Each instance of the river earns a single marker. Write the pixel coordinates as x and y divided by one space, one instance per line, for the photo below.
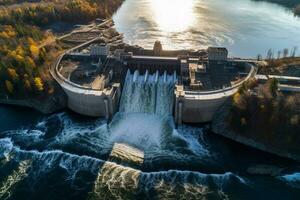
247 28
138 155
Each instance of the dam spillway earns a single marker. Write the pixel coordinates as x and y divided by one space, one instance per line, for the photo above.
145 113
148 93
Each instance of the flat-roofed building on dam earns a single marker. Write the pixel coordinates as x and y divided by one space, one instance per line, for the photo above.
217 54
99 50
152 63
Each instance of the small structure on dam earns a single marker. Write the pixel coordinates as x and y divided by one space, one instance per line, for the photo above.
93 75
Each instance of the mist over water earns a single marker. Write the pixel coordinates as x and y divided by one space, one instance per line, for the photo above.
246 27
138 155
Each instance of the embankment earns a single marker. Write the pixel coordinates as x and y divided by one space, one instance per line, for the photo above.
51 104
252 138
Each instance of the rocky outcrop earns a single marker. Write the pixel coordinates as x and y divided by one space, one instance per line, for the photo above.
220 126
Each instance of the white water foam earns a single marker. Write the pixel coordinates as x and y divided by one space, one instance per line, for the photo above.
292 180
192 137
138 129
114 176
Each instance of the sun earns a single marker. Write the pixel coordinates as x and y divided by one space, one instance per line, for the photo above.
173 15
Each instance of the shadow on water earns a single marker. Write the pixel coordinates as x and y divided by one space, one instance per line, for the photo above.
12 117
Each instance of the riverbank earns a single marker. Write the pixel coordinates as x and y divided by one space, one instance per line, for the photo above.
270 142
293 4
28 48
51 104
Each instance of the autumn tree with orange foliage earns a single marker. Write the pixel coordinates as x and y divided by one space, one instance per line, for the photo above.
24 62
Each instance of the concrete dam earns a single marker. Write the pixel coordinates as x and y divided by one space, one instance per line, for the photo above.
101 79
148 93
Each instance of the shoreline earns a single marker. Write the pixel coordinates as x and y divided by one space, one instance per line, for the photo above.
219 127
52 104
44 108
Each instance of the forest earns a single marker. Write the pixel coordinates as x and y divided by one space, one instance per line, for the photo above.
293 4
262 112
24 59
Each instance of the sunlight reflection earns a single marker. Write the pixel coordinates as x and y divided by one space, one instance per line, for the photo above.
173 15
7 186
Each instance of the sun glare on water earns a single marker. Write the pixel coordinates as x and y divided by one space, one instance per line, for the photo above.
173 15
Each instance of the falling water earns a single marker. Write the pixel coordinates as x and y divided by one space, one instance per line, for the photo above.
148 93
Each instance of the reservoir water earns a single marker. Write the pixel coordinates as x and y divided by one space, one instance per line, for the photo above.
247 28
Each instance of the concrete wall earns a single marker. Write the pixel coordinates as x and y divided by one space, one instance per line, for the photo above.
200 106
93 103
84 100
199 111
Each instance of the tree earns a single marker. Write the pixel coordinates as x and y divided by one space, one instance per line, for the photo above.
293 52
270 54
34 50
38 84
285 52
13 75
9 86
27 84
273 86
278 54
259 57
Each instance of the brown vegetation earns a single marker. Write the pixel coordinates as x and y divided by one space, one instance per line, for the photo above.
281 66
265 114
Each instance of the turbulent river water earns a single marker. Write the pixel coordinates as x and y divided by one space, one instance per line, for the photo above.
245 27
138 155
